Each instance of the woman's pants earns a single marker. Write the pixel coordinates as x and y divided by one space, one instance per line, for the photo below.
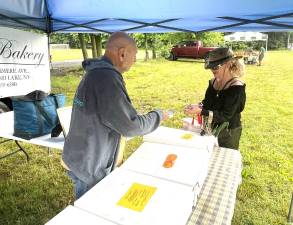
229 138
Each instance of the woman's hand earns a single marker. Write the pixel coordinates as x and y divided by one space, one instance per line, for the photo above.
192 109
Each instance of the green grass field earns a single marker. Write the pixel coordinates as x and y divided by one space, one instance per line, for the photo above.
34 192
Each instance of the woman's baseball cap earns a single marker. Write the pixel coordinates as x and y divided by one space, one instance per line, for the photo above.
219 56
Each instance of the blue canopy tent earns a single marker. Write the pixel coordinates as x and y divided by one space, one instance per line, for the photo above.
152 16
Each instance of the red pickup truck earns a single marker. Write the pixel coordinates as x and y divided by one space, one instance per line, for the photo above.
189 49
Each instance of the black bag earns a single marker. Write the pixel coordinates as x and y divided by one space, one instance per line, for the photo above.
35 114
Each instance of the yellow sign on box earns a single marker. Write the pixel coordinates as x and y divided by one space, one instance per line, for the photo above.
137 197
187 136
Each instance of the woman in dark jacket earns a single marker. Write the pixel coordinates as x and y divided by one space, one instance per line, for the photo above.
224 98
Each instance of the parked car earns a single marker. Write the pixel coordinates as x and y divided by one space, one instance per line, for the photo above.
189 49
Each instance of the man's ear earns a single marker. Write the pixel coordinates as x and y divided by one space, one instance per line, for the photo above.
121 53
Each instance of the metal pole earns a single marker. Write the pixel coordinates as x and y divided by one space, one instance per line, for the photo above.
290 210
288 41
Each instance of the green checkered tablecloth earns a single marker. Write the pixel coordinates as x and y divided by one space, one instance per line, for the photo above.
217 198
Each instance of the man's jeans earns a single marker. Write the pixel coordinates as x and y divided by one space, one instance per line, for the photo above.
80 187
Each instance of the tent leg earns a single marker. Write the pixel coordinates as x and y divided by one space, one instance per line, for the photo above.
49 151
290 210
20 148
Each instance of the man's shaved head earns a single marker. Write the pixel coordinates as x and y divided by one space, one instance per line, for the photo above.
119 40
121 50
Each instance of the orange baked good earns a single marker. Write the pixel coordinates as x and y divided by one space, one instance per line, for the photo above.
170 160
171 157
168 164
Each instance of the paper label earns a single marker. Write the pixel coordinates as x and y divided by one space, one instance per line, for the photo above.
137 197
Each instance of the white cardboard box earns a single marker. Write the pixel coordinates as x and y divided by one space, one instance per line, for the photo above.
190 167
160 201
171 136
75 216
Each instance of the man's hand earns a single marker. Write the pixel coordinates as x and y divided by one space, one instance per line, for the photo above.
166 115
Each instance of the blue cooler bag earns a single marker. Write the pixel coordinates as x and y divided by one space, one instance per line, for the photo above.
35 114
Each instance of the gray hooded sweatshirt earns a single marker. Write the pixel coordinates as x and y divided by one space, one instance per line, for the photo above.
101 113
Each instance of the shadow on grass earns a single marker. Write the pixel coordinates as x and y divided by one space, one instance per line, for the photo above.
188 60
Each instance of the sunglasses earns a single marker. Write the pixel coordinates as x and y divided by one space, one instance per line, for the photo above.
216 67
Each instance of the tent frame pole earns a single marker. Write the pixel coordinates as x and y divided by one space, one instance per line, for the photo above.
81 25
21 22
158 24
246 22
78 25
49 23
260 22
154 25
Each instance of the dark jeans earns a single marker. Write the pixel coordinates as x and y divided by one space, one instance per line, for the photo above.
229 138
80 187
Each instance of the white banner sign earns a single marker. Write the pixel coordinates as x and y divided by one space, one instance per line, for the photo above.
24 63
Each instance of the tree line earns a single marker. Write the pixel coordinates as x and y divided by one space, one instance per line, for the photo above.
160 44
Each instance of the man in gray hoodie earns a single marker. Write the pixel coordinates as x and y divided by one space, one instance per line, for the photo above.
102 111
